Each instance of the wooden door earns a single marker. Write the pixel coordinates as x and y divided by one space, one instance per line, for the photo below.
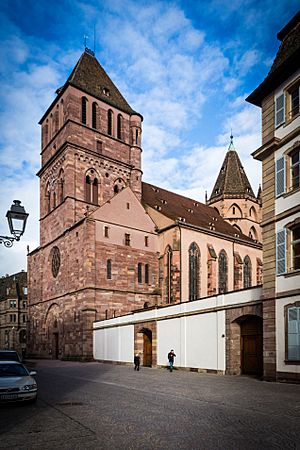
252 346
147 353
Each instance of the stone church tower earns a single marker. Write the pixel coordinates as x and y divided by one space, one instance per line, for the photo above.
233 197
91 151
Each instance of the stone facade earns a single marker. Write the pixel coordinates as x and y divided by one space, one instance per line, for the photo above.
109 243
13 312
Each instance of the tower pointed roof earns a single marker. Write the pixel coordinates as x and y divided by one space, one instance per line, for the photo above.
232 181
89 76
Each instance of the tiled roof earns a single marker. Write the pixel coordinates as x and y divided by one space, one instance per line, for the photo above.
89 76
232 180
285 63
186 210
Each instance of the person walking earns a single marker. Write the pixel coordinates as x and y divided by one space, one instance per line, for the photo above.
171 356
137 361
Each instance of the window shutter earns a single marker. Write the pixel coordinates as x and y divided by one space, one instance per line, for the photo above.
280 252
279 110
280 176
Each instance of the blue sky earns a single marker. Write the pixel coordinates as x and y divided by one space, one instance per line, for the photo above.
186 66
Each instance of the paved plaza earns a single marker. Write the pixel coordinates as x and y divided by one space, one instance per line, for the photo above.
104 406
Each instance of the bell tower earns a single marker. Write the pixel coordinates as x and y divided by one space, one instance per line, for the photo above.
233 197
91 148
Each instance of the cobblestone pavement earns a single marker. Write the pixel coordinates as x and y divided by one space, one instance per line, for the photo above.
103 406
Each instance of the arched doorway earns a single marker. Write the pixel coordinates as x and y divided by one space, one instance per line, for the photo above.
252 346
147 347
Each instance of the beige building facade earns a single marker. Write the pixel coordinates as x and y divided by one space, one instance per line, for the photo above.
278 97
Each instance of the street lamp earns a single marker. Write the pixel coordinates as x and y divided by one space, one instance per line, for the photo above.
16 217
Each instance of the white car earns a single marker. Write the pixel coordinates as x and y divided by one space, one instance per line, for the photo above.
16 383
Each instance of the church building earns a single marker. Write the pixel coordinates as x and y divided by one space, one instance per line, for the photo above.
111 244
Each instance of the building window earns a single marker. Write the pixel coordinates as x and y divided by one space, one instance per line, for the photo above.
94 115
147 273
295 165
108 269
127 239
13 317
91 188
247 272
106 232
279 110
280 252
13 304
296 248
293 100
194 266
293 332
140 280
119 126
55 261
24 304
146 241
83 110
169 278
223 272
99 146
110 122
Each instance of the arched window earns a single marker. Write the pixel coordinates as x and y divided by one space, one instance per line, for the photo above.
91 187
45 135
247 272
110 122
88 196
108 269
83 110
61 190
194 271
223 272
169 290
239 231
140 277
95 192
119 126
253 233
47 199
252 213
147 273
119 185
56 121
94 115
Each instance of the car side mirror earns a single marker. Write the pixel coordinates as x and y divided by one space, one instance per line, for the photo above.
32 373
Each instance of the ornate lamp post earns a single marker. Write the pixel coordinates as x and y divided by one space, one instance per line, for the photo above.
16 217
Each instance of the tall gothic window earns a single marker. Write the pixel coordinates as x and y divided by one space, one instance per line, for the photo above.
194 271
95 192
94 115
223 272
110 122
169 293
119 126
247 272
83 110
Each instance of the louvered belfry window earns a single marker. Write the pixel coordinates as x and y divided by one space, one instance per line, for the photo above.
83 110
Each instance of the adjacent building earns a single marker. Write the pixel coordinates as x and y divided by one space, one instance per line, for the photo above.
13 312
111 244
278 97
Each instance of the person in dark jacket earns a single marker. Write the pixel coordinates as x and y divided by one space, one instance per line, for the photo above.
137 360
171 356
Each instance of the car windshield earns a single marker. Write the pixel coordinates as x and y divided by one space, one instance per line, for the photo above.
8 356
13 370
